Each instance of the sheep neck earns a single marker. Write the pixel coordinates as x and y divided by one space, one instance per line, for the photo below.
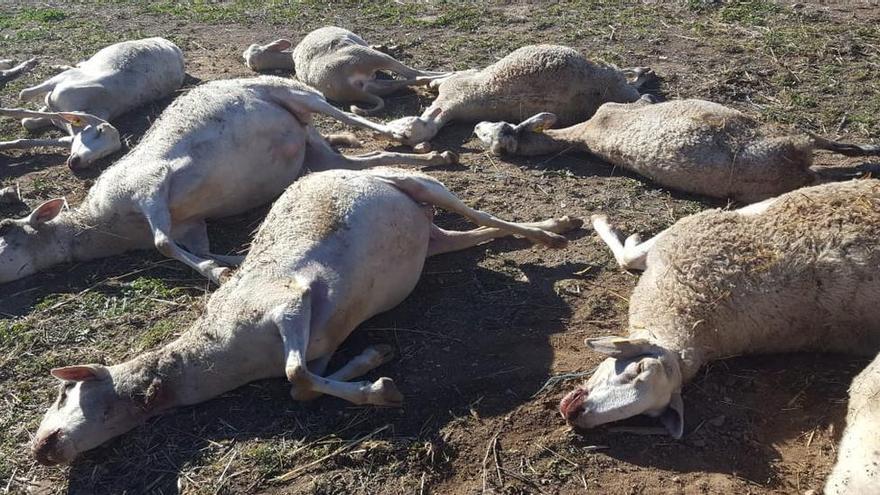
549 141
83 236
202 364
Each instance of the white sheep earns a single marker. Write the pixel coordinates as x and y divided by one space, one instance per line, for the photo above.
82 99
9 72
693 146
857 470
336 248
531 79
223 148
788 274
341 65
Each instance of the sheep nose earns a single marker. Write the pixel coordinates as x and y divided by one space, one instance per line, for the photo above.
45 447
572 405
74 162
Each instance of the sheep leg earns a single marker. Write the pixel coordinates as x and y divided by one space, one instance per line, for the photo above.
375 60
40 89
371 358
24 144
194 238
320 156
846 149
631 254
424 189
10 74
34 123
293 321
383 87
377 102
446 241
303 103
159 219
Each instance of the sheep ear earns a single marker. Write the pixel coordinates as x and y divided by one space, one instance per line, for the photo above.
278 45
46 211
537 123
620 347
81 373
673 417
80 119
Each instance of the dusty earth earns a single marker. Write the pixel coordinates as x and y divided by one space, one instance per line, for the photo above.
486 328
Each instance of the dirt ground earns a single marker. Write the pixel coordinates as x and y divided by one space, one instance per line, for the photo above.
486 328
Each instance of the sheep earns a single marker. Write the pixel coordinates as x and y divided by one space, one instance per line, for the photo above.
336 248
221 149
791 273
341 65
858 463
693 146
531 79
8 72
82 99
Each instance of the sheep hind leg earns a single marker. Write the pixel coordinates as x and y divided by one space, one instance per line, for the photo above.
23 144
371 358
320 156
293 321
447 241
632 254
159 219
425 189
194 237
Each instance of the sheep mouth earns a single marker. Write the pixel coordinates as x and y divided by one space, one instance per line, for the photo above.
572 405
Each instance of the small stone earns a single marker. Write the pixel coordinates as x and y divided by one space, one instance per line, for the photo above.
717 421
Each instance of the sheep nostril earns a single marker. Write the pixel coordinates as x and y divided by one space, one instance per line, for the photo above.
45 447
74 162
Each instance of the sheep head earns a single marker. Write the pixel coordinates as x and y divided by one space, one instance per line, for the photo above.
503 138
639 377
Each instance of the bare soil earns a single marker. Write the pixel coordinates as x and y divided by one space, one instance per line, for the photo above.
486 328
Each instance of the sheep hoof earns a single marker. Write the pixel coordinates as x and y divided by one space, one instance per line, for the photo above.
567 224
220 275
450 157
383 392
422 147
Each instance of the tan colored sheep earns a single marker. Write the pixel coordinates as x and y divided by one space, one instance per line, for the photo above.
531 79
792 273
693 146
336 248
341 65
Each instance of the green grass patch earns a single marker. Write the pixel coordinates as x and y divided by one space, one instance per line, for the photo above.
157 334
